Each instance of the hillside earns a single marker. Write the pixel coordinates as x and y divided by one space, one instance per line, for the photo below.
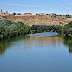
40 20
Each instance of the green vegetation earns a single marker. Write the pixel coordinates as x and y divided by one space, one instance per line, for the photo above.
68 16
60 23
14 13
4 17
44 28
7 43
66 31
10 29
68 43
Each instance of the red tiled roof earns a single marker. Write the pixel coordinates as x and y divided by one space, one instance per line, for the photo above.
27 13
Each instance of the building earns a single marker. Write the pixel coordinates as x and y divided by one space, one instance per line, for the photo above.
27 14
4 14
37 14
18 13
40 14
53 15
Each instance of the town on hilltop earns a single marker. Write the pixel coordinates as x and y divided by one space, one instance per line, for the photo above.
6 14
37 19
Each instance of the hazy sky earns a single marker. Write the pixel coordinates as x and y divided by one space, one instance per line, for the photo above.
37 6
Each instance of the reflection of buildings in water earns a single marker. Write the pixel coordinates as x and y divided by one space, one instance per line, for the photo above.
42 42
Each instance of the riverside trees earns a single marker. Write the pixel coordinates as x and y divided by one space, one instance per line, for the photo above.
66 30
44 28
9 29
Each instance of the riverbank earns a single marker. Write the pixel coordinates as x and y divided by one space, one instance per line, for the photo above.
45 37
65 30
10 29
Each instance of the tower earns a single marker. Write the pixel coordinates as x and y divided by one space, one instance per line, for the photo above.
7 12
1 11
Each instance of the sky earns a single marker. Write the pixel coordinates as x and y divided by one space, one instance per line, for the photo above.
37 6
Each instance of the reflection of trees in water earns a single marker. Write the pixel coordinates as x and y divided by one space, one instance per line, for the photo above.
7 43
68 43
39 41
3 46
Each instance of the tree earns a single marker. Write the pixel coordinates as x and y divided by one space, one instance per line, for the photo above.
14 13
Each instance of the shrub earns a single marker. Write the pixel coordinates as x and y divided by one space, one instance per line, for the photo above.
9 28
4 17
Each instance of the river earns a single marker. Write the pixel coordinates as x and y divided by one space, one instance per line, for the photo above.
41 52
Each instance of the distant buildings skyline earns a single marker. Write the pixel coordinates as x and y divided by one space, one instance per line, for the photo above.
35 11
6 13
3 13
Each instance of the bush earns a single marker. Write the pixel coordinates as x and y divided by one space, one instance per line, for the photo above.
4 17
9 29
68 16
14 13
44 28
67 30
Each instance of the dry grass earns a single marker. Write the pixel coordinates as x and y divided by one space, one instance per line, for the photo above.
39 20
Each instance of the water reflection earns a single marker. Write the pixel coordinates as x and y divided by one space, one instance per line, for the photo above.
40 54
42 42
3 46
30 41
8 43
44 34
68 43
